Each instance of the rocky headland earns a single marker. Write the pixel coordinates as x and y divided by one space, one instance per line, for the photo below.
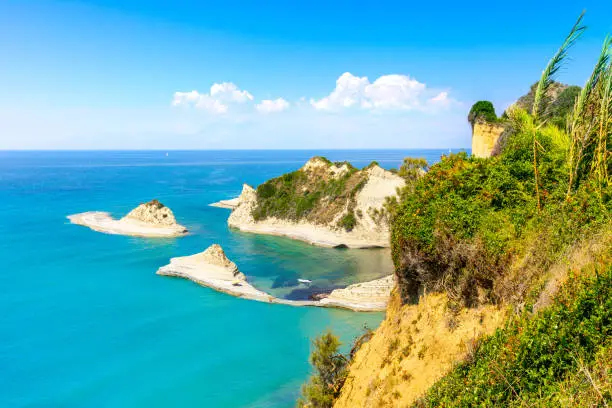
152 219
213 269
323 203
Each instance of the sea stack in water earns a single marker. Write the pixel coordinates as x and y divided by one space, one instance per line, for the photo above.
152 219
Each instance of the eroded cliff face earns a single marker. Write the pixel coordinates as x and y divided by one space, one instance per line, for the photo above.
484 138
413 347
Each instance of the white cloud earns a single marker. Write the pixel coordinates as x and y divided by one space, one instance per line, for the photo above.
229 92
388 92
441 98
269 106
392 92
349 91
217 101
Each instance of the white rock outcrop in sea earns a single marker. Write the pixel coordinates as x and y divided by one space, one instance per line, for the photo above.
371 229
213 269
230 204
152 219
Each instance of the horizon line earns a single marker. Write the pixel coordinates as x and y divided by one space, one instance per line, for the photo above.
231 150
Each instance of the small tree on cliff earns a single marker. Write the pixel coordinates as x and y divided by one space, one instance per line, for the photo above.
330 373
483 110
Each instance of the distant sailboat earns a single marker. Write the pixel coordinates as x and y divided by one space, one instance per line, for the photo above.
166 154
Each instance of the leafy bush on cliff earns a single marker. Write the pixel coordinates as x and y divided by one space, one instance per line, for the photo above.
348 221
559 357
411 170
482 110
469 218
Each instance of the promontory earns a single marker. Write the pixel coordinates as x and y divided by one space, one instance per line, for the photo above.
322 203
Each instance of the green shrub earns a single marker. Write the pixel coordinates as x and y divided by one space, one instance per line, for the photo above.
348 222
482 110
462 224
529 362
330 373
313 196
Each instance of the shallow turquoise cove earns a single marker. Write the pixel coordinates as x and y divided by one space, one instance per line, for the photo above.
85 321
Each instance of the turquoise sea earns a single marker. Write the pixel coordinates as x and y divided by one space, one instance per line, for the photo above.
86 322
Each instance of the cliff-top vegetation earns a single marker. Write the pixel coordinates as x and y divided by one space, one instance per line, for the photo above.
470 220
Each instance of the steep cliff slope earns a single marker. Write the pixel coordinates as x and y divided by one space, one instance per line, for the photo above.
417 345
413 347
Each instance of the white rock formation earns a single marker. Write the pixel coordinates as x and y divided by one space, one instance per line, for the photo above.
151 219
231 203
371 230
213 269
317 164
372 295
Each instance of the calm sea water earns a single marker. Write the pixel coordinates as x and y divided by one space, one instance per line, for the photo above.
84 320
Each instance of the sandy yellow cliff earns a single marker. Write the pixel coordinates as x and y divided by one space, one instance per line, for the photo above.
413 347
484 138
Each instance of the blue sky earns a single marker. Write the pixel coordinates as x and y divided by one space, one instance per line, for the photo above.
121 74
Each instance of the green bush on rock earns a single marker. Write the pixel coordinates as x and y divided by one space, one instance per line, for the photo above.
482 110
315 195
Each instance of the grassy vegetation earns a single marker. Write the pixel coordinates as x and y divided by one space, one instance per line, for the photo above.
468 220
312 195
560 357
348 221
